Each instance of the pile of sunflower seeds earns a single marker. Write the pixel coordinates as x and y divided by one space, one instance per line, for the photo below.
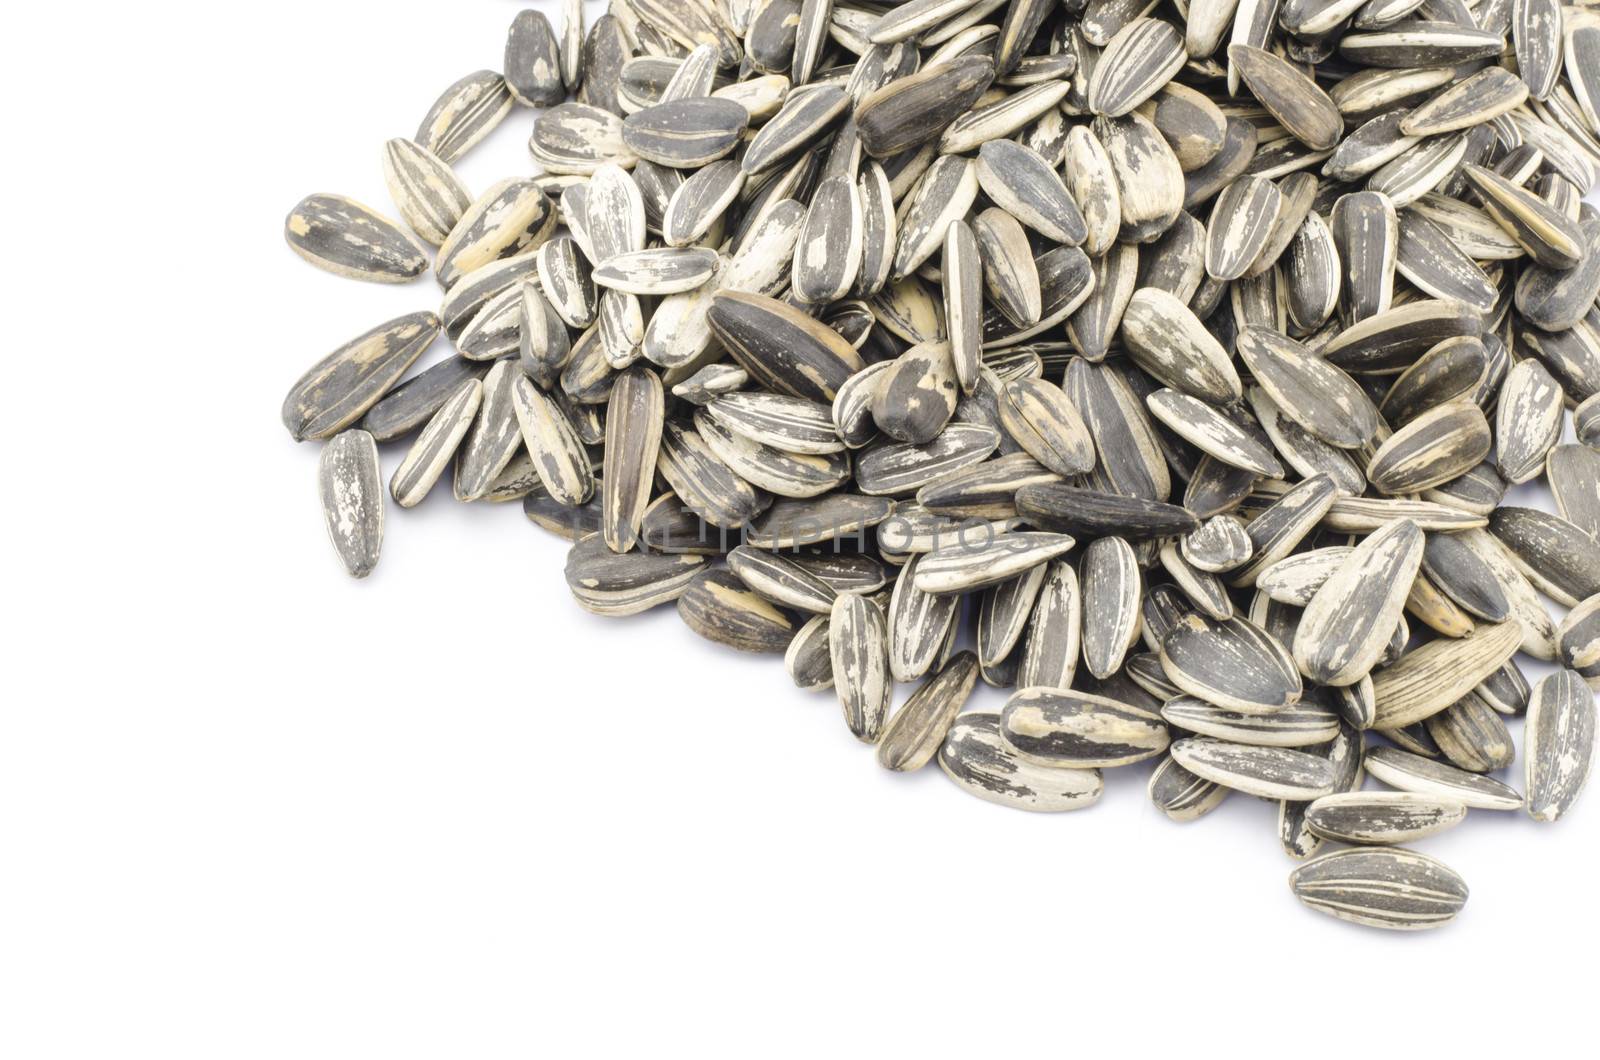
1188 349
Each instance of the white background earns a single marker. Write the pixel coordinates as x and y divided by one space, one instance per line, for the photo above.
250 807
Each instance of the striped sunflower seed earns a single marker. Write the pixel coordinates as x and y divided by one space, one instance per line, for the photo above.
1142 57
1437 446
1150 184
1559 559
533 61
337 390
348 239
494 438
414 402
1471 736
1268 772
1219 544
977 757
1289 95
1430 678
434 448
1180 794
628 583
722 609
1560 744
1233 664
963 568
1347 623
511 218
464 114
427 192
1527 421
351 490
782 348
1301 725
1414 773
1395 889
1111 587
917 730
1076 730
634 417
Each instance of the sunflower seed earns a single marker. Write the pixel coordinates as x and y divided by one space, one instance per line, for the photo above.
719 607
783 349
1143 56
914 734
1090 513
1027 187
1212 432
1219 544
1527 421
1536 32
1291 97
1346 624
336 391
1109 574
1463 576
1050 650
1150 183
1560 744
1396 889
352 499
794 425
1092 182
1241 221
977 757
348 239
1574 475
781 580
533 61
1549 238
1471 736
1558 299
903 467
1233 664
963 568
414 402
436 445
916 397
1430 678
1166 339
808 658
1300 725
1175 263
511 218
1075 730
620 584
1043 421
1433 448
1312 271
1305 453
785 474
464 114
1003 615
1239 145
1559 559
1269 772
1180 794
1414 773
1003 117
1284 524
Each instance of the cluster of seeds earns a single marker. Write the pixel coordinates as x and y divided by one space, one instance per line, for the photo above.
1196 344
